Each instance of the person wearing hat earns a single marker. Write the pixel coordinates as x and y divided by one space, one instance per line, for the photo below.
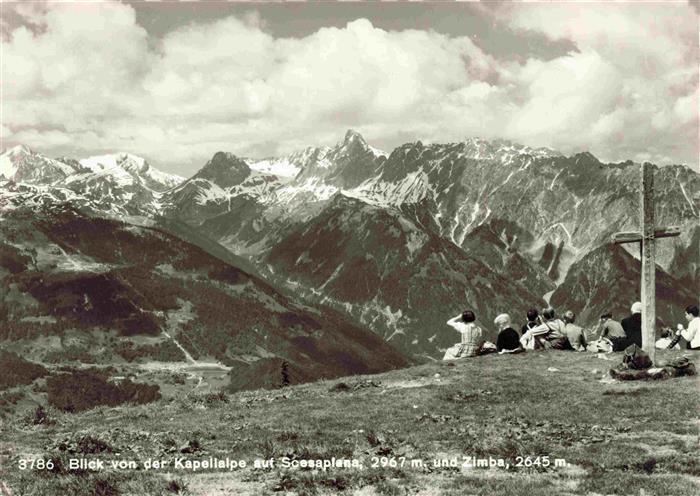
508 340
632 325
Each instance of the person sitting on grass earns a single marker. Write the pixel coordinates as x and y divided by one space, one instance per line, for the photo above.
612 330
574 333
508 340
666 342
692 333
472 337
549 334
533 320
633 325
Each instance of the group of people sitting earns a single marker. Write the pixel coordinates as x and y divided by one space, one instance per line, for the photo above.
547 331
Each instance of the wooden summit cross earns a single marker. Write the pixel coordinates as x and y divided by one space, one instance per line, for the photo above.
648 254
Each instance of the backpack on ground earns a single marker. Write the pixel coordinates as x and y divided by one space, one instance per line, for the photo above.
636 358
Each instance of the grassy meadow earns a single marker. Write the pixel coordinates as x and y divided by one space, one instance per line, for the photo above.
601 437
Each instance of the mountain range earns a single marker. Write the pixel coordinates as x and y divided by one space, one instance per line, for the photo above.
396 242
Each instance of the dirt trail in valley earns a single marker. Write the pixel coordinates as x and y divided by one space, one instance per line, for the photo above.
197 370
188 357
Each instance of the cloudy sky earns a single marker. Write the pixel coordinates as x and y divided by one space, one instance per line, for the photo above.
176 82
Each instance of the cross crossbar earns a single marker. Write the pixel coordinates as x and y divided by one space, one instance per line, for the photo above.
636 237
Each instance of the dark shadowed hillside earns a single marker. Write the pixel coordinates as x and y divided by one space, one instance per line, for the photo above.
110 291
608 280
686 262
396 277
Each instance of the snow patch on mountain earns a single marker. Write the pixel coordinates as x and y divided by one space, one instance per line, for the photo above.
125 168
21 164
332 276
411 189
116 175
120 161
9 160
14 195
685 195
281 167
164 178
377 152
414 242
503 150
207 191
312 188
551 185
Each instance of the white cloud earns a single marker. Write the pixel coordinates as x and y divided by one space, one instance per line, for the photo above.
685 109
90 77
86 49
564 96
48 138
641 90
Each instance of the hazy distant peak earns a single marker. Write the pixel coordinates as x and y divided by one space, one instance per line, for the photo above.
352 135
18 150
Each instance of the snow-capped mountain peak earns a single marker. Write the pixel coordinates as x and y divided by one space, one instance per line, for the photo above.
8 160
354 142
116 184
21 164
17 150
126 168
483 149
122 160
